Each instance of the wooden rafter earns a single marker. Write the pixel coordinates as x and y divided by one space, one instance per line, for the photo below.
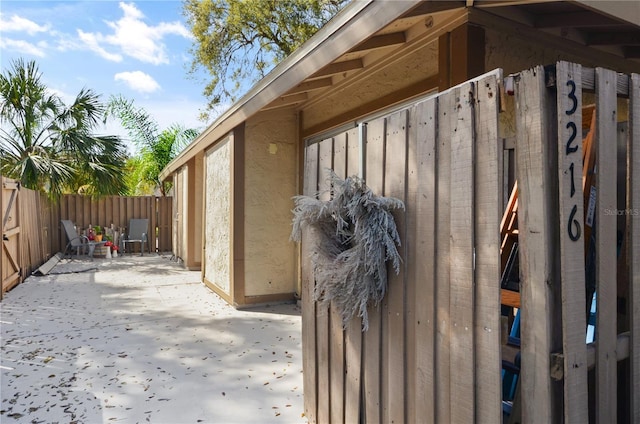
573 19
380 41
614 38
287 101
311 85
339 67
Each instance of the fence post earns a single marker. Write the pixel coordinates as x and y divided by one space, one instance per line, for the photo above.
634 254
536 158
606 246
572 233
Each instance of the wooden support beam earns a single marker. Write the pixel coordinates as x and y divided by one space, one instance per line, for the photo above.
287 100
613 38
631 52
461 55
339 67
380 41
573 19
622 350
429 7
311 85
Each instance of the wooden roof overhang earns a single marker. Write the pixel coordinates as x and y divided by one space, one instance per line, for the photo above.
369 35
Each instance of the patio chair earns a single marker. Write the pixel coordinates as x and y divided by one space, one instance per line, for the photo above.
75 241
137 232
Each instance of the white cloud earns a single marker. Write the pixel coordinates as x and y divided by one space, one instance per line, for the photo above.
18 24
138 81
92 42
24 47
133 37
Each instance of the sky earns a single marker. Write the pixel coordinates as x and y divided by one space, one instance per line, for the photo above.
137 49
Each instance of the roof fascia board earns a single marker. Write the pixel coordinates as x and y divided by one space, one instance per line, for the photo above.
330 42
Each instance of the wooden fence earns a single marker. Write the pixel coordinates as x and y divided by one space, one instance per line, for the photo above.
433 349
32 232
113 210
25 236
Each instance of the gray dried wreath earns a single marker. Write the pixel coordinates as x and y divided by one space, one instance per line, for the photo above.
353 235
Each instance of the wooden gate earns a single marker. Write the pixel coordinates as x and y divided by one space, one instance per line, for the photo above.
11 270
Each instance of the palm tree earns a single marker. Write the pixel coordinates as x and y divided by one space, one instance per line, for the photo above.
156 148
51 147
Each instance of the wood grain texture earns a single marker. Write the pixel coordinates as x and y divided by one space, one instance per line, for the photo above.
353 333
309 358
323 339
535 238
634 254
421 204
606 246
371 343
461 245
443 396
395 302
487 177
336 338
572 274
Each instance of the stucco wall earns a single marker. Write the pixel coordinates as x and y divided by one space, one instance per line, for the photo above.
184 228
196 185
420 65
270 184
218 212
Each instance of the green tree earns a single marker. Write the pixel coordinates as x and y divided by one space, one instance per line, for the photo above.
239 41
155 148
52 147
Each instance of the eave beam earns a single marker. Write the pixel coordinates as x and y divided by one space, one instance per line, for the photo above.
380 41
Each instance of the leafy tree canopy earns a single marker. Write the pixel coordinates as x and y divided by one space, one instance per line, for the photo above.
52 147
155 148
239 41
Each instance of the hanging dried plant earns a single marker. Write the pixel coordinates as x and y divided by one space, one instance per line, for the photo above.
353 236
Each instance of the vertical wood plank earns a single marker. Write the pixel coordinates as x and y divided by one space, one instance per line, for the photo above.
395 304
634 245
337 333
443 225
534 175
325 161
309 348
461 241
606 246
488 213
371 343
353 333
572 274
421 266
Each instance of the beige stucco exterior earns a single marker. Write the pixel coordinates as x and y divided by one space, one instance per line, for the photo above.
270 184
217 223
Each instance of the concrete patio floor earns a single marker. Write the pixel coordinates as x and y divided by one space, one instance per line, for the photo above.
141 340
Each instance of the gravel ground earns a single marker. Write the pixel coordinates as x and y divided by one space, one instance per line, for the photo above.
141 340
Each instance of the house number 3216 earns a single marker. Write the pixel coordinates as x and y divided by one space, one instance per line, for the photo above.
573 226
